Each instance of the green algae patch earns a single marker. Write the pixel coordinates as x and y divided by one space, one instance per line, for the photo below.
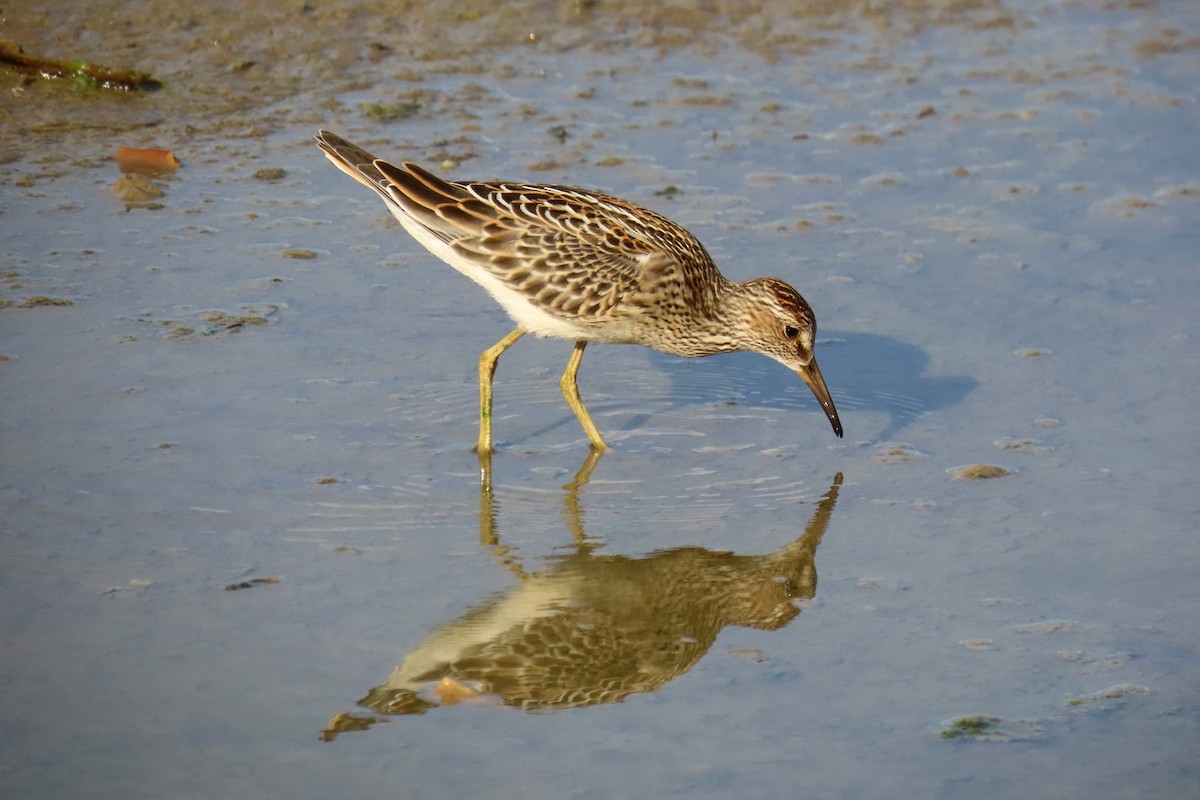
990 729
198 324
219 320
39 300
270 174
390 112
79 72
974 727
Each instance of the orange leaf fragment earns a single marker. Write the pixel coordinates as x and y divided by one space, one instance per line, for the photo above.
146 162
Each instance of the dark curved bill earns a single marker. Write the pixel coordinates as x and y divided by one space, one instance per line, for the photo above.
811 375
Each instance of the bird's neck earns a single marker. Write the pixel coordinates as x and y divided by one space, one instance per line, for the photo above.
722 307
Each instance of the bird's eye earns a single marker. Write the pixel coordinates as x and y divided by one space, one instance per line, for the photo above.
791 331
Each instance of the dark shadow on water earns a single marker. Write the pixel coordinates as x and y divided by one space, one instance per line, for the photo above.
865 372
585 628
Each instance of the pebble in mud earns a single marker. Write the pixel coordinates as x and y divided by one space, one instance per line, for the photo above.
978 472
896 453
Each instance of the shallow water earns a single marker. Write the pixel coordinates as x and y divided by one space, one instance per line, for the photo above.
992 210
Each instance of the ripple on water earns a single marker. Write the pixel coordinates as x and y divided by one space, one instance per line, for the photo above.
385 518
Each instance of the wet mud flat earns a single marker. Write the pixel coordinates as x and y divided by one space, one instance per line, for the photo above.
238 403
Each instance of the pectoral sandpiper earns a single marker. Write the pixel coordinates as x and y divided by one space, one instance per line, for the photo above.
576 264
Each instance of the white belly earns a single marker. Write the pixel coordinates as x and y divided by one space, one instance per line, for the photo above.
533 319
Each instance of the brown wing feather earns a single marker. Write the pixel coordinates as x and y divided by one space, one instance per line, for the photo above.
574 252
352 160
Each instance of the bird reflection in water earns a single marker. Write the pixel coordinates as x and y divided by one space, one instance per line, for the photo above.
593 628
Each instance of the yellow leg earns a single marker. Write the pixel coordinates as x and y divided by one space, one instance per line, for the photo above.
570 390
487 368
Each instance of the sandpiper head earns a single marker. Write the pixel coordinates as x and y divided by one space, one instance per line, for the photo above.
785 329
